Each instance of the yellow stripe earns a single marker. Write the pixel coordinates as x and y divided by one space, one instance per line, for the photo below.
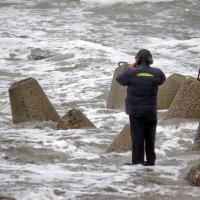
145 74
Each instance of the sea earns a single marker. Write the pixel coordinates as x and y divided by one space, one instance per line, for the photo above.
88 38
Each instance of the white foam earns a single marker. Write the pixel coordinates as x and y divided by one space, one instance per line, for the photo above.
105 2
83 80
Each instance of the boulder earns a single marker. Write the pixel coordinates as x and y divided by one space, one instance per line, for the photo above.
117 94
186 103
30 103
194 175
6 198
168 90
122 142
196 145
74 119
39 54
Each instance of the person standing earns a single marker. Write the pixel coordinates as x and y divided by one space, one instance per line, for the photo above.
141 105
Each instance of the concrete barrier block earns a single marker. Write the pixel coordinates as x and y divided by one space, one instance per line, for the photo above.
117 94
122 143
74 119
186 103
30 103
168 90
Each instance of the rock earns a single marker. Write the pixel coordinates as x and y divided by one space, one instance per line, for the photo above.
6 198
117 94
74 119
30 103
58 192
186 103
196 145
168 90
194 175
122 142
39 54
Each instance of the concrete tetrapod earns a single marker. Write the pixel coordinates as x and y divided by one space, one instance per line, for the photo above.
194 175
117 94
74 119
122 143
168 90
196 145
30 103
186 103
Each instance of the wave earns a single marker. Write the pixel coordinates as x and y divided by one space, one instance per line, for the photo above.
122 1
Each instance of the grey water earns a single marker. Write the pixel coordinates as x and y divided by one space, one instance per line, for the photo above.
88 38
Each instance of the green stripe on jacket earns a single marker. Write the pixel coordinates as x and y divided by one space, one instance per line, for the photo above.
145 74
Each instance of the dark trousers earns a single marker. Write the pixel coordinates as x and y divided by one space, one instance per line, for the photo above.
143 131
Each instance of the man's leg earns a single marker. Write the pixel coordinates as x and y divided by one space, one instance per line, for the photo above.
149 135
137 136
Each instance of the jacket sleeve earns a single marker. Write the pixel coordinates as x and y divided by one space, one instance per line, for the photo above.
123 79
162 77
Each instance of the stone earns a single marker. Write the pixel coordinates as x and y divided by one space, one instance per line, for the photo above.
30 103
39 54
74 119
122 142
194 175
117 93
6 198
196 145
168 90
186 103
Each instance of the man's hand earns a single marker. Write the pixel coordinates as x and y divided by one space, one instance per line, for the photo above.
132 66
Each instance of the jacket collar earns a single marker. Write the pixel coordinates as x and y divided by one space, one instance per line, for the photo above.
144 65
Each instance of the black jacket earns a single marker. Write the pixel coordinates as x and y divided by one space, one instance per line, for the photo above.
142 82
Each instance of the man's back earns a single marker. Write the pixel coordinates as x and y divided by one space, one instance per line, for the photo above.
142 83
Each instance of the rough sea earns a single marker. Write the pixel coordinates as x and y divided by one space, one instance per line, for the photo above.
89 38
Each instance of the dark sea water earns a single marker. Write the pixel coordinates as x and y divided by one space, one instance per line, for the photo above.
88 38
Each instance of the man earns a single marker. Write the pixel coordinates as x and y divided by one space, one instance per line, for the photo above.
141 105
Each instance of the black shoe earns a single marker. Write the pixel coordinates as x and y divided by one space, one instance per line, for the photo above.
133 163
127 163
147 163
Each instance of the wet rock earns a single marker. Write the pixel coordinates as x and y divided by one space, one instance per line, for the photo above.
194 175
122 142
30 103
12 55
39 54
58 192
168 90
117 94
110 189
74 119
6 198
196 145
186 102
